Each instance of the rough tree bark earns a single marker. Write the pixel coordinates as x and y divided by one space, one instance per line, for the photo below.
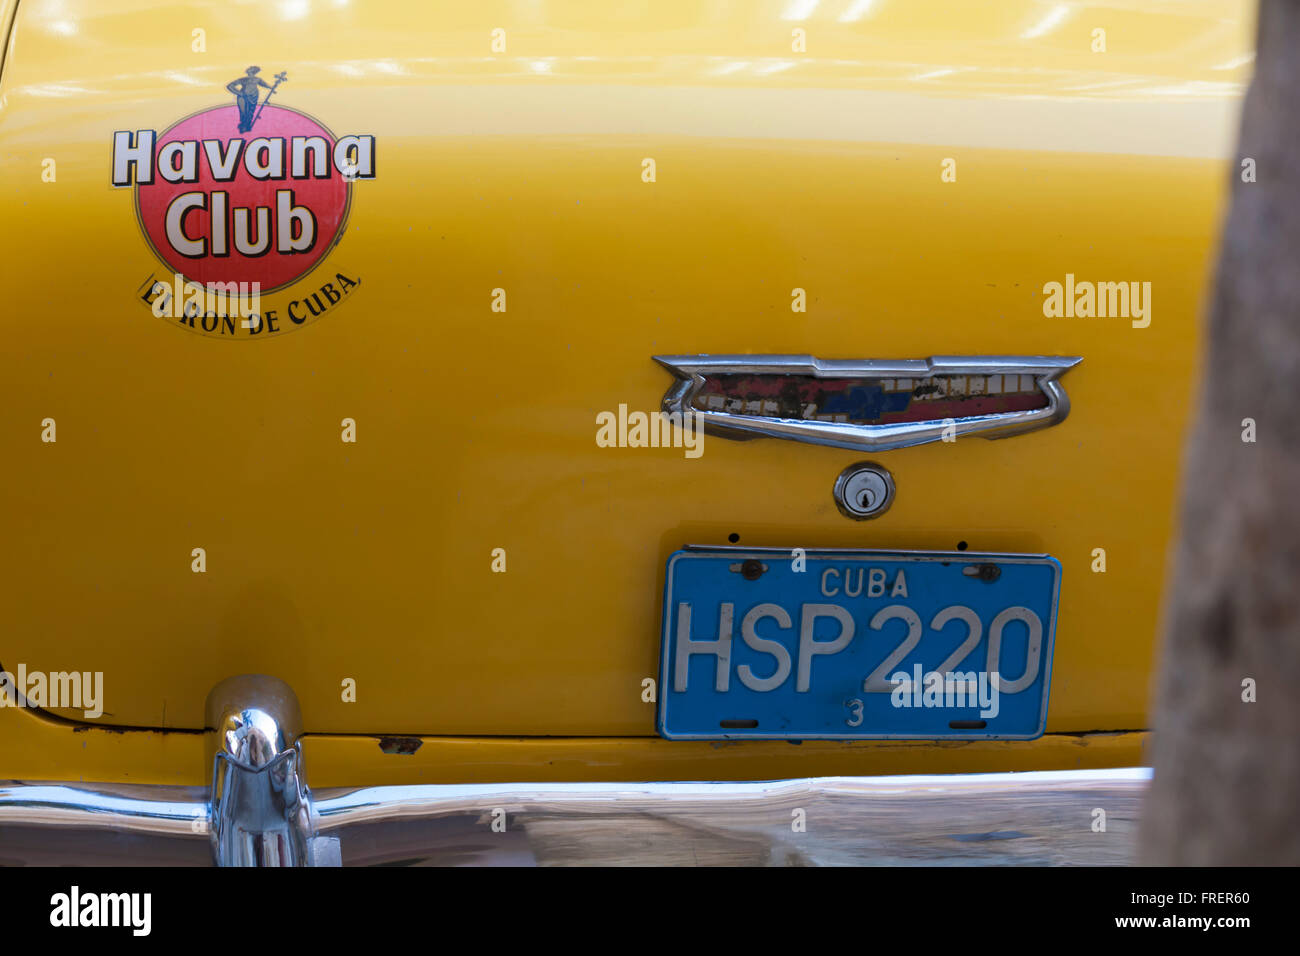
1227 772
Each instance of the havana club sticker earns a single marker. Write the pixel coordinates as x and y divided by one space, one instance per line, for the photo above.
243 204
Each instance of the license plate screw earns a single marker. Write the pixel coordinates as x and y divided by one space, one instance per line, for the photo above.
985 572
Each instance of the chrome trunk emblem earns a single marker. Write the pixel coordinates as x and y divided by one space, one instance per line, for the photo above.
868 404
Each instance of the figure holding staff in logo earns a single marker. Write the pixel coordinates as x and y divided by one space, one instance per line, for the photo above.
247 89
279 78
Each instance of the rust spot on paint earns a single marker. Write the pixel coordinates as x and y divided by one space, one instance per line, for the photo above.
400 745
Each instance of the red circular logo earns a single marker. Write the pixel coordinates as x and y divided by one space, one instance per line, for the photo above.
262 208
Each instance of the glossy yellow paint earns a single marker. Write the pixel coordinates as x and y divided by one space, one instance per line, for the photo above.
522 170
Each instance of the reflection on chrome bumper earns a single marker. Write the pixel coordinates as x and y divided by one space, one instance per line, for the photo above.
1035 818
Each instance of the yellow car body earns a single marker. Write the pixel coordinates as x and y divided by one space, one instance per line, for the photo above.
921 170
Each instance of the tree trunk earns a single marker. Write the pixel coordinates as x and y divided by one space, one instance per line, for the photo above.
1227 770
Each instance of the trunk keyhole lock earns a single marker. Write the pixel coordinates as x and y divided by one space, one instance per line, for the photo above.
864 490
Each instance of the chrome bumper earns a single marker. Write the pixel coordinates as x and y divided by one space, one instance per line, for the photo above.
260 812
1038 818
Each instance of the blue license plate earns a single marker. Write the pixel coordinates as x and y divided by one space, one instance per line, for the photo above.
779 644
